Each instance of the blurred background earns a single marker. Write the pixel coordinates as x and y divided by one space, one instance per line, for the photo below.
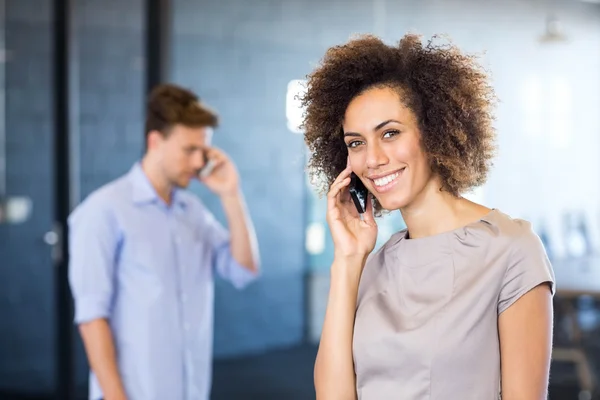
73 78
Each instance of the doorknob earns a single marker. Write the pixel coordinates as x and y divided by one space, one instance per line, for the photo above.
53 238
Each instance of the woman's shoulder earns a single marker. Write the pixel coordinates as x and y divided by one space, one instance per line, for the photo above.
511 232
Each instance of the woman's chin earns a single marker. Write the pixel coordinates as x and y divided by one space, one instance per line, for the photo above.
392 203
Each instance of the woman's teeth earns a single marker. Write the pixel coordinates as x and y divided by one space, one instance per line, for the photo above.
386 179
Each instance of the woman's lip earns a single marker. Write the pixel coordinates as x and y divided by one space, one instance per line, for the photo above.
378 176
387 185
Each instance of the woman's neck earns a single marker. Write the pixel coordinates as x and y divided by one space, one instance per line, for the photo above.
435 211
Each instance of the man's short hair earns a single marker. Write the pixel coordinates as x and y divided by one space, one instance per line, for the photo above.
169 105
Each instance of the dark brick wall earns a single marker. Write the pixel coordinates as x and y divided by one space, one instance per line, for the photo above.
26 273
110 51
232 77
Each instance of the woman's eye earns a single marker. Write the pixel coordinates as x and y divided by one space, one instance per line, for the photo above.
390 134
353 144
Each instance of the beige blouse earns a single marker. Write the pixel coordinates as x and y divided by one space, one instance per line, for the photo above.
427 315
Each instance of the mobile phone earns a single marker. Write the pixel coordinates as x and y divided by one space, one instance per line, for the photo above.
359 193
208 167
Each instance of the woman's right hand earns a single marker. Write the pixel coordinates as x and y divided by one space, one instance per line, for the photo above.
353 237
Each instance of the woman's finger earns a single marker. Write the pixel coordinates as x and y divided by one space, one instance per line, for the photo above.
336 190
337 187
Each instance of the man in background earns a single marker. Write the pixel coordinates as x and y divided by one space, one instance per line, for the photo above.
143 254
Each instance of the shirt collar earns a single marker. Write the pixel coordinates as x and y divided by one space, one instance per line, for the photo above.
143 191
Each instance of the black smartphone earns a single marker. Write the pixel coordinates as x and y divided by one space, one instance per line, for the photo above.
359 193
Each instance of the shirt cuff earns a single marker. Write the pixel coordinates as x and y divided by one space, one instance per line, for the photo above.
89 308
230 270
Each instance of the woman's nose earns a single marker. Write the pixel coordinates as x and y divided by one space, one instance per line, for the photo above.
376 157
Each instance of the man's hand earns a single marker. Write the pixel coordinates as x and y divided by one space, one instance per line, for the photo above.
224 179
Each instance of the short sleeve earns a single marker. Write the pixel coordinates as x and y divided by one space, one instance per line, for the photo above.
528 266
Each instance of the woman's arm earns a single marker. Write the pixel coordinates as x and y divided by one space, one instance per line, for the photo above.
525 330
354 239
334 367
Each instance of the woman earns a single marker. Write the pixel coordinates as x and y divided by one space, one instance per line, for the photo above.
458 305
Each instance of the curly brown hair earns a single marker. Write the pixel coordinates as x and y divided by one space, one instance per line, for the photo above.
448 92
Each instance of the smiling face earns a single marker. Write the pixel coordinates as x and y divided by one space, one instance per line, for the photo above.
383 140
